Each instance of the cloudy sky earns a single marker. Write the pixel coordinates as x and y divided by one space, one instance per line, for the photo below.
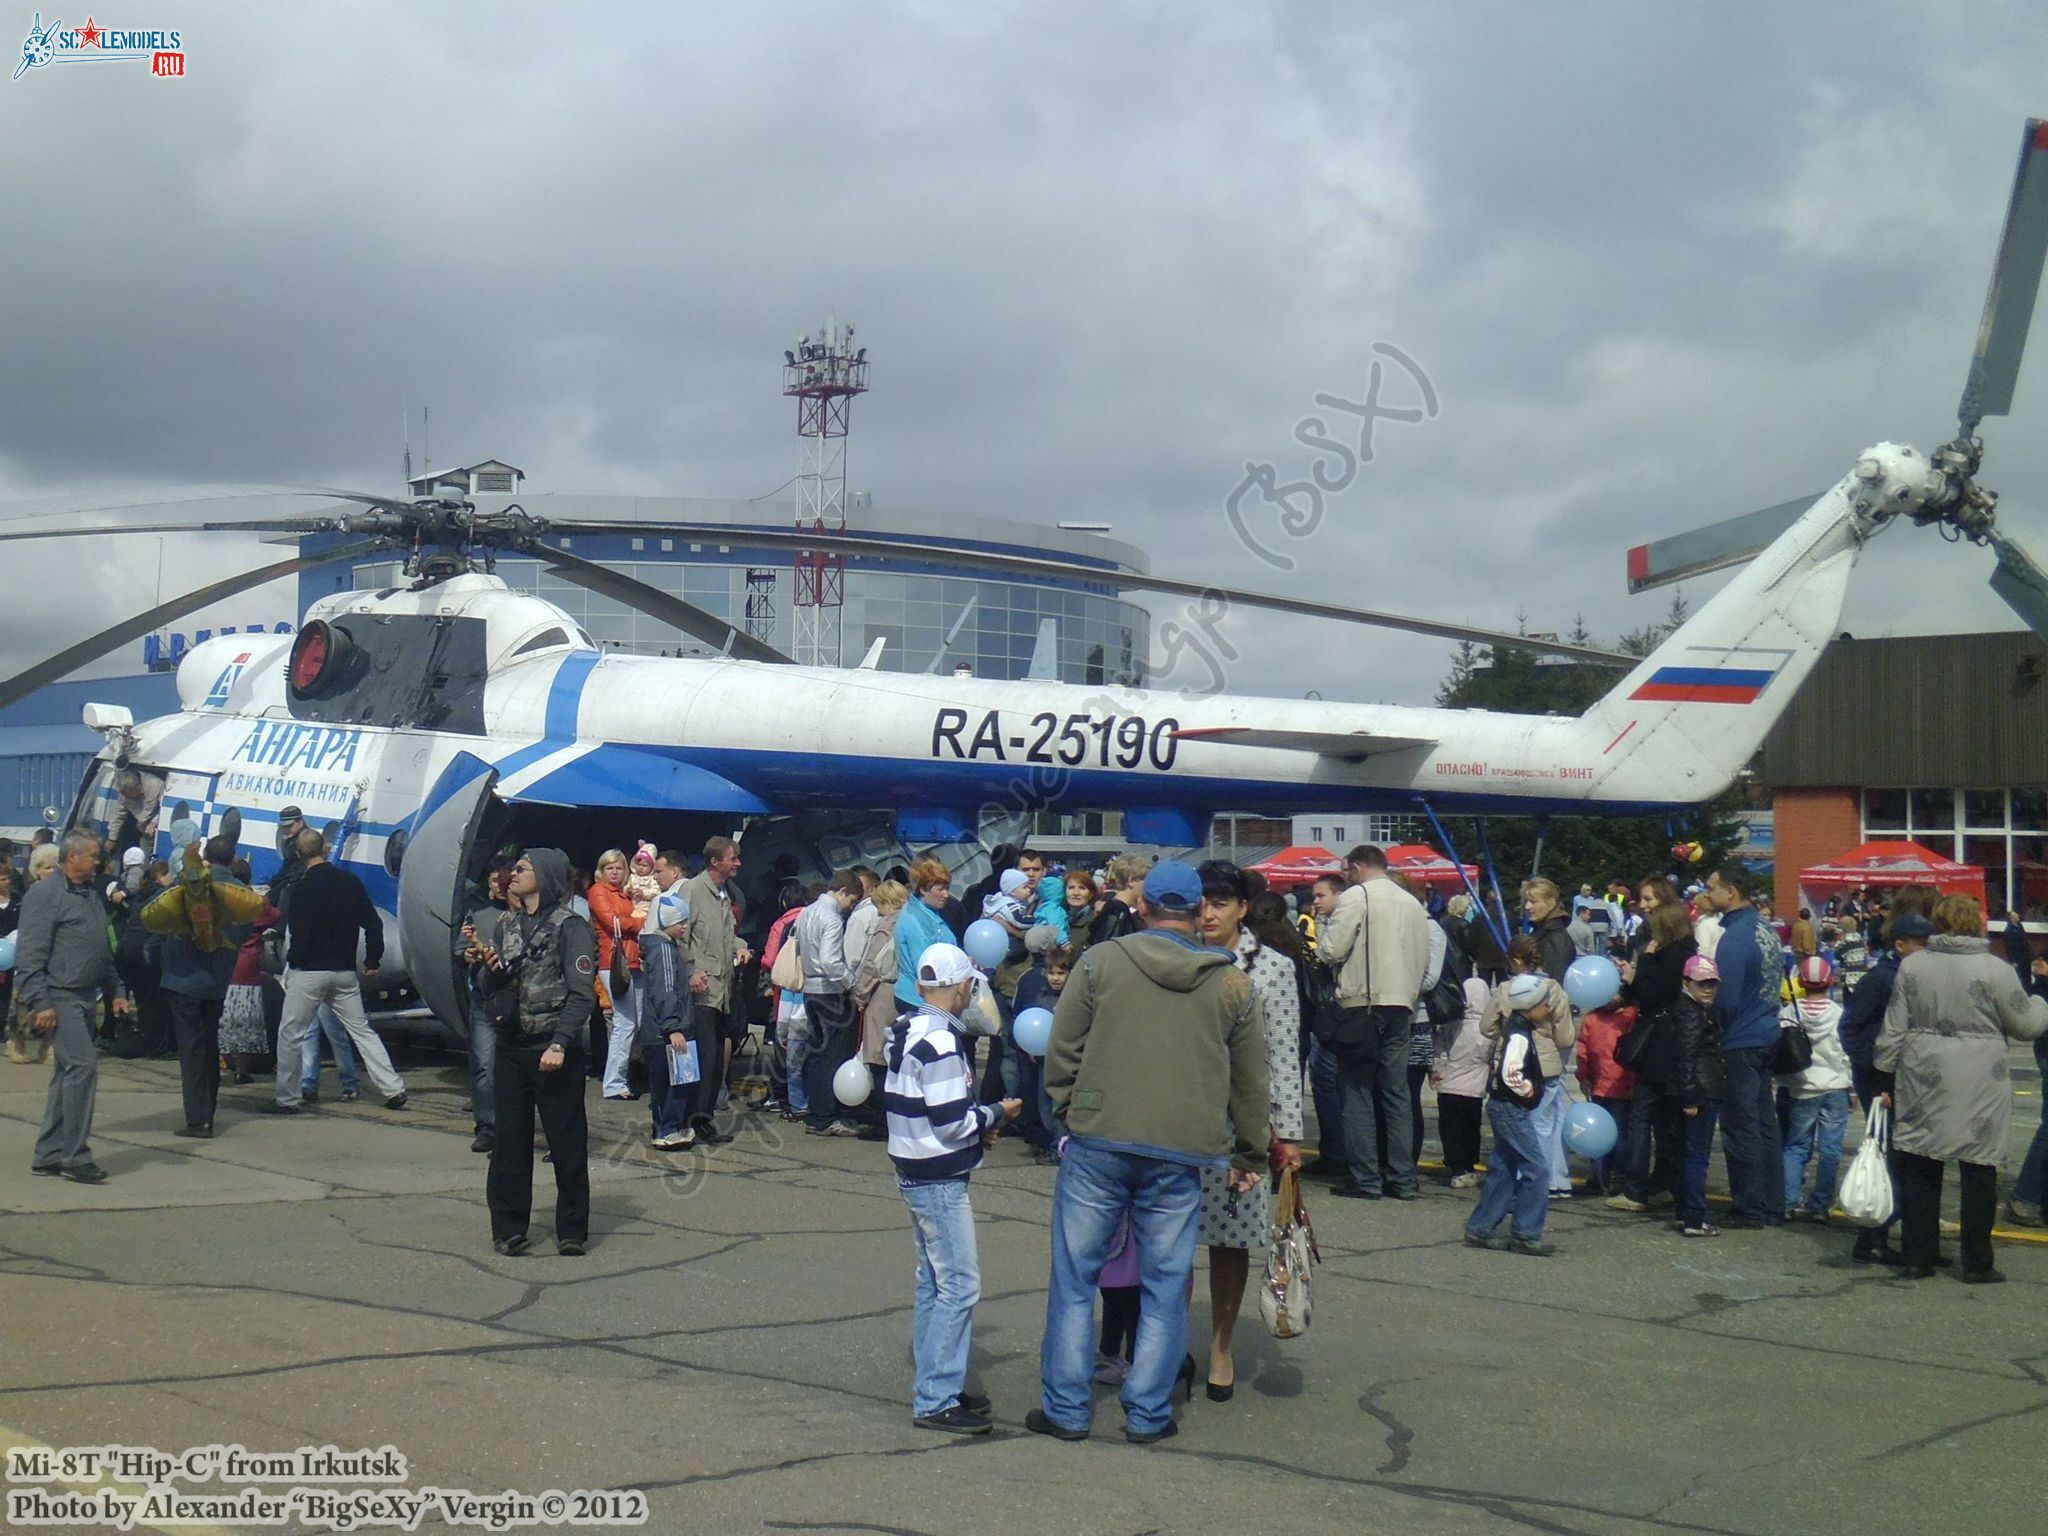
1660 265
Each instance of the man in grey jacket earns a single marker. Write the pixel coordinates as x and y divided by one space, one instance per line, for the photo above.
828 983
62 966
711 945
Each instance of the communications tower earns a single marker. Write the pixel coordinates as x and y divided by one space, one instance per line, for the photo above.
824 372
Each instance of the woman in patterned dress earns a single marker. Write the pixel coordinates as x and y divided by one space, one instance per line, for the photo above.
1235 1226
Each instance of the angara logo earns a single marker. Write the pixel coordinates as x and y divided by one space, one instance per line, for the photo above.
229 676
92 43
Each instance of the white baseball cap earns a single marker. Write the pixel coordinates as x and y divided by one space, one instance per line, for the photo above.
669 909
946 965
1527 990
1012 881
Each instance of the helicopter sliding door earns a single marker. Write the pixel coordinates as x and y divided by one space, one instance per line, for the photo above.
433 886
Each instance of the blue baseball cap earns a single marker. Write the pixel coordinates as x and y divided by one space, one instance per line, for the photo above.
1173 887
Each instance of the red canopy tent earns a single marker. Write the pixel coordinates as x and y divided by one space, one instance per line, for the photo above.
1297 865
1419 861
1895 863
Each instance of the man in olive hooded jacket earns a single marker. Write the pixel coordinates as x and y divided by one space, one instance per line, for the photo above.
1157 1066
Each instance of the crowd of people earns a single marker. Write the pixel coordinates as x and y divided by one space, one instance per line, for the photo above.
1197 1017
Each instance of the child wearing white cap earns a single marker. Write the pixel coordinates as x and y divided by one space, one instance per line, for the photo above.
936 1135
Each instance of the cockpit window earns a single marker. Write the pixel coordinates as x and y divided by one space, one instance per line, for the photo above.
546 639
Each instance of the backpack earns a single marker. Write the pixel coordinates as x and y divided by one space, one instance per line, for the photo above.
1514 1026
1445 1002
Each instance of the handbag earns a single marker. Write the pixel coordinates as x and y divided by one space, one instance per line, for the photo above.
620 977
1793 1053
1286 1290
1867 1197
788 970
1632 1047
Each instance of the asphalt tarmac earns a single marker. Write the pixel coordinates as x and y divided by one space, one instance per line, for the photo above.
735 1345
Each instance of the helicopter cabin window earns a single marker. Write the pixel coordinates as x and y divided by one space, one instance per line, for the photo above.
547 639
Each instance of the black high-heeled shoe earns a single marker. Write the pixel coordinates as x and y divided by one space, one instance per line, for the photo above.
1184 1379
1220 1394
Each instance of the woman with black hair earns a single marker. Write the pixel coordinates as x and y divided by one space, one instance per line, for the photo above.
1234 1225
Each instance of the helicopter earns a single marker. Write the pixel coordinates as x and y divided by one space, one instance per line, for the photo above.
427 724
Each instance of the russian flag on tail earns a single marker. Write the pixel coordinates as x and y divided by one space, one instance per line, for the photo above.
1705 685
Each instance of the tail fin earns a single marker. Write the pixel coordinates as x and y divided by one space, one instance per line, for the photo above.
1694 712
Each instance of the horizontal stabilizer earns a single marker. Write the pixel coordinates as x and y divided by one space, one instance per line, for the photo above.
1343 744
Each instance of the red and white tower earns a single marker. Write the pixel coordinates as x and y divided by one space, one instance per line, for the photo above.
824 373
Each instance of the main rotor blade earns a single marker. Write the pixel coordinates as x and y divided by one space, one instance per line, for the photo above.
2022 580
2015 279
15 512
70 660
1070 570
250 525
1712 548
696 622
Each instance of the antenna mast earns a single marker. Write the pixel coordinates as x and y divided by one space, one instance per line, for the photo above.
822 374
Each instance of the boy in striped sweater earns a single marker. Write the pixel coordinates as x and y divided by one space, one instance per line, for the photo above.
936 1135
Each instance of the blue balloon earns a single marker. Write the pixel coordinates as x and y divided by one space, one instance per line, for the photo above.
987 943
7 953
1589 1130
1033 1031
1591 981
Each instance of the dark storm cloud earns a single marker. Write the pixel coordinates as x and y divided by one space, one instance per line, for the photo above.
1662 266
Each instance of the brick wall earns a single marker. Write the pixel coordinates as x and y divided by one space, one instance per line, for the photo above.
1812 826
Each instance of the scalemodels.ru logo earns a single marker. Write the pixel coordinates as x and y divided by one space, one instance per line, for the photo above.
92 43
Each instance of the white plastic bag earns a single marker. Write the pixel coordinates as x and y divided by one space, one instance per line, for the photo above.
1867 1191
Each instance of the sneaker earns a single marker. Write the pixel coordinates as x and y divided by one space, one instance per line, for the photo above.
1983 1277
1402 1192
770 1105
396 1101
953 1420
1536 1250
1700 1229
1464 1180
1110 1370
1624 1203
1494 1244
1348 1191
349 1095
1039 1424
312 1096
483 1141
570 1248
1559 1194
835 1128
93 1173
1165 1431
679 1141
1045 1157
1883 1254
511 1247
2023 1213
279 1107
1661 1199
46 1170
200 1132
976 1404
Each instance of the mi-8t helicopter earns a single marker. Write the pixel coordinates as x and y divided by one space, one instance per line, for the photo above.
429 722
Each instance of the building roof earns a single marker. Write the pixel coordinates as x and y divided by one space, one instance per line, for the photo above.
1920 710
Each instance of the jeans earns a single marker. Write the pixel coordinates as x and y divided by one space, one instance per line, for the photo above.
483 1064
619 1045
1653 1150
1547 1119
1698 1133
1097 1186
344 1055
1749 1137
1817 1124
796 1056
832 1044
948 1286
304 994
1517 1175
196 1021
1327 1089
65 1141
668 1102
2031 1187
1375 1084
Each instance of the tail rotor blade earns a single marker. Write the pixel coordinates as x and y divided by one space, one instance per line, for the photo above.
2015 279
